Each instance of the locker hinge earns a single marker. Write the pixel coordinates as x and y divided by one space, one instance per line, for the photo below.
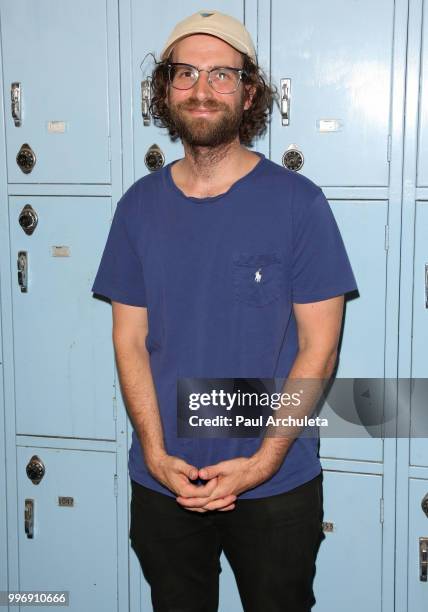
389 147
109 148
381 509
386 237
114 409
115 485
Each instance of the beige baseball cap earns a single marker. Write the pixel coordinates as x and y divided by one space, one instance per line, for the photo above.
217 24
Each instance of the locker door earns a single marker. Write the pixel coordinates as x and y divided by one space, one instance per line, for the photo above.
419 413
345 497
339 64
360 330
74 541
339 112
57 51
418 543
422 162
62 344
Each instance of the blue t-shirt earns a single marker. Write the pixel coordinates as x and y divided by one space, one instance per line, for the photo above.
192 263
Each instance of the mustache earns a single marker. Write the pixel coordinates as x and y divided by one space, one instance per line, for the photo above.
207 105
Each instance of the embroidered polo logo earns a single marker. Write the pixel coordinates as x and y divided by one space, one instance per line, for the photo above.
258 275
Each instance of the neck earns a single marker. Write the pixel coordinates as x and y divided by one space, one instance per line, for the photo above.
209 163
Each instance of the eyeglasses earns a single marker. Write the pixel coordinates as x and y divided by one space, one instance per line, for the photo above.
224 80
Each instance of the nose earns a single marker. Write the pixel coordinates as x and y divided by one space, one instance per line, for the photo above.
202 89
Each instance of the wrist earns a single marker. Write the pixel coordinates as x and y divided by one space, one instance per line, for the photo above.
267 461
155 458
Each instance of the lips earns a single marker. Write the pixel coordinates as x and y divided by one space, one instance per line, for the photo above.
202 110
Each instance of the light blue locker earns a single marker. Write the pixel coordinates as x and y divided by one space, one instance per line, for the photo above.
338 57
352 523
360 329
419 405
412 455
74 540
58 52
63 355
422 166
417 544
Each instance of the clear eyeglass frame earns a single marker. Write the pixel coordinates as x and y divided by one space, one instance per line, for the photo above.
196 72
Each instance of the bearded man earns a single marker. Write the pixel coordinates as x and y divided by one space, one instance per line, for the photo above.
222 264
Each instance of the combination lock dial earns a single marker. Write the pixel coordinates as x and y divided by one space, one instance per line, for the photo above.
424 504
154 158
28 219
35 469
293 158
26 158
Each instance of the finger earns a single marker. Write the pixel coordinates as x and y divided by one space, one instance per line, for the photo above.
197 491
210 471
214 492
231 507
223 502
188 470
196 509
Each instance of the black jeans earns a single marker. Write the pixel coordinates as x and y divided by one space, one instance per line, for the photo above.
271 544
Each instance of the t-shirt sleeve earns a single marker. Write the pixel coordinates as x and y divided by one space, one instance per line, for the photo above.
120 273
321 267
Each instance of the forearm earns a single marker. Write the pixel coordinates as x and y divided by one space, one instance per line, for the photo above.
139 393
308 373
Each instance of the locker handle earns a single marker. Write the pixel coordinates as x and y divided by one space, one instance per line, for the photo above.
29 518
146 94
426 285
15 94
285 101
22 263
423 559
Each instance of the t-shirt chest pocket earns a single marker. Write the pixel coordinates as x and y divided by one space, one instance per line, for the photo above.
258 278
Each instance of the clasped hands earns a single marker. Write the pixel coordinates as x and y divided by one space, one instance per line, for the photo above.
224 480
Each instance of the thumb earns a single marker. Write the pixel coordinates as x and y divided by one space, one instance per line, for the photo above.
188 470
210 471
192 472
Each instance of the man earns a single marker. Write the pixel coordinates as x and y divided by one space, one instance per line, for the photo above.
220 265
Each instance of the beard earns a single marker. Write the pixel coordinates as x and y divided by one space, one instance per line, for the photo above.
207 132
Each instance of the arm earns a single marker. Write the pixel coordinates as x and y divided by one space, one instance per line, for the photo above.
318 328
130 328
318 325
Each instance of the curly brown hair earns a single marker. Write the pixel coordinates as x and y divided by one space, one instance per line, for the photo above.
255 119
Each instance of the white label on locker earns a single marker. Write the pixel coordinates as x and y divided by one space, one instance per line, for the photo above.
329 125
60 251
56 127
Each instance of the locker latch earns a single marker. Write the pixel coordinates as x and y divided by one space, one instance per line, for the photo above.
146 94
15 94
426 285
29 518
423 559
285 101
23 271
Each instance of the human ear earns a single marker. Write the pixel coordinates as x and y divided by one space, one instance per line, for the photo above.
250 91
